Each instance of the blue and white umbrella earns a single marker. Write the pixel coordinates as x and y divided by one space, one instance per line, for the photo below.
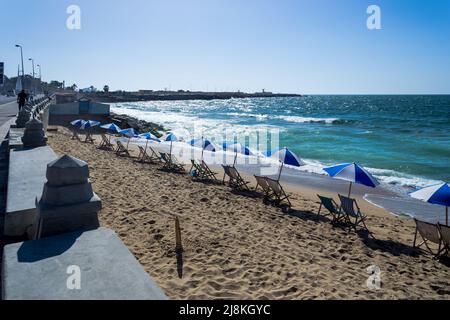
353 173
89 124
149 136
129 133
435 194
236 147
77 123
286 156
204 144
111 127
171 137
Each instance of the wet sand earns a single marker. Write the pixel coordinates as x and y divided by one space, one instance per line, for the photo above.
237 247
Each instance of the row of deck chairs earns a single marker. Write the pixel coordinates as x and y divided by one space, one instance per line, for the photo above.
88 138
438 234
347 212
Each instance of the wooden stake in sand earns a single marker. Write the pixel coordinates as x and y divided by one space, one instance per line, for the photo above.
178 248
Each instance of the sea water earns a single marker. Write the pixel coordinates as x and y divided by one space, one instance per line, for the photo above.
403 140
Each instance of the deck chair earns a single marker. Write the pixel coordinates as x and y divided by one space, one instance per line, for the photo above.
234 178
279 195
429 232
444 233
171 163
354 216
196 170
261 182
143 156
209 174
332 207
105 144
75 135
121 150
154 155
89 138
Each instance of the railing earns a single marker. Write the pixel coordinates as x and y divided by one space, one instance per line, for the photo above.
33 110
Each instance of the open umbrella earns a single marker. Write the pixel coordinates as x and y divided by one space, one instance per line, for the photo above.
77 123
149 136
286 156
236 147
171 137
111 127
89 124
435 194
353 173
129 133
203 143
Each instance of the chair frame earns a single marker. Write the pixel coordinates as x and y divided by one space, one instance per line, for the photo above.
144 157
105 144
354 218
121 150
75 135
89 138
278 194
235 179
261 182
171 163
425 239
335 211
445 242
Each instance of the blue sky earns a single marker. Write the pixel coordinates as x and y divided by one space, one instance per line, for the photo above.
303 46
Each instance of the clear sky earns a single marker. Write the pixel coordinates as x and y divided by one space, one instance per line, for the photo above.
302 46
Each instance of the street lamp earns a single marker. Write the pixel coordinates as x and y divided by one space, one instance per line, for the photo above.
39 66
40 79
32 64
21 57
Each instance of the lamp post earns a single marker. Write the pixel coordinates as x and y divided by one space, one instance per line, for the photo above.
23 70
40 78
32 65
33 75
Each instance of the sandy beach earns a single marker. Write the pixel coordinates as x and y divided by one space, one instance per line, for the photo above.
237 247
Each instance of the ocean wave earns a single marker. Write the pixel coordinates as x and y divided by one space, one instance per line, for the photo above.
296 119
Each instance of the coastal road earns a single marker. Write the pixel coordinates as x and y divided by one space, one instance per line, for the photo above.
8 110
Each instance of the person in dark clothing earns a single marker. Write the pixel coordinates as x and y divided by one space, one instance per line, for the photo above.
22 99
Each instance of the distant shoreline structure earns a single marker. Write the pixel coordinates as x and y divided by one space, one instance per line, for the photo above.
144 95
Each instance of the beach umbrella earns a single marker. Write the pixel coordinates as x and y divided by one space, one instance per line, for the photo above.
111 127
353 173
236 147
203 143
435 194
129 133
171 137
89 124
149 136
77 123
286 156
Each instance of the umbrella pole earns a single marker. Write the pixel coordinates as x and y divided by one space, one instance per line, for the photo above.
202 149
446 216
170 152
350 190
235 159
146 143
128 143
281 169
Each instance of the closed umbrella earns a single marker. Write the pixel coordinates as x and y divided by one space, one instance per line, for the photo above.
352 172
435 194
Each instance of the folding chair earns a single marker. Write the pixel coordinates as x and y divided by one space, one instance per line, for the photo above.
332 207
444 232
121 150
75 135
279 194
105 144
235 180
429 232
261 182
89 138
171 163
353 217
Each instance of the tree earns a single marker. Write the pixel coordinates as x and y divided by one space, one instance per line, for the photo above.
106 88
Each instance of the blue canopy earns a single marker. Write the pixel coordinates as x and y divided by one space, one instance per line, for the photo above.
89 124
286 156
203 143
111 127
77 123
171 137
435 194
236 147
130 132
149 136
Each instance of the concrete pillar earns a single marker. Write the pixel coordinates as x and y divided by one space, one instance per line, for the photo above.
34 134
68 202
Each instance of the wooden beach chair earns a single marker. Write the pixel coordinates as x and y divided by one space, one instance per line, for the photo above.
89 138
155 156
75 135
354 216
143 156
261 182
171 163
209 174
235 180
444 233
202 170
105 144
278 193
332 207
429 232
121 150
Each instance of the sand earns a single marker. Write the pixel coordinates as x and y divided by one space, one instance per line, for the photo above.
237 247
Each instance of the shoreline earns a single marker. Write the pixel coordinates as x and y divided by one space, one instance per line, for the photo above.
236 247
